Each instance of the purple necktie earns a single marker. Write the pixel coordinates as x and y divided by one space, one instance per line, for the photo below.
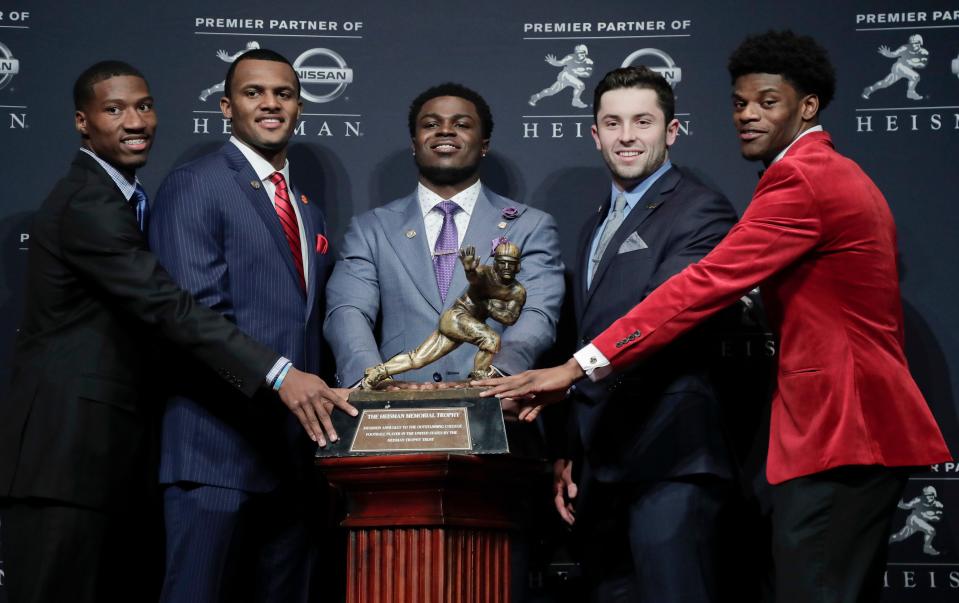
445 250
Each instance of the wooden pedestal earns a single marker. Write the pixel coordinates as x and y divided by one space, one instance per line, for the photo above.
430 528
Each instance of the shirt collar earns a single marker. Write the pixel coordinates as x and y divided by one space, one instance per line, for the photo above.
126 187
261 166
466 198
633 196
783 152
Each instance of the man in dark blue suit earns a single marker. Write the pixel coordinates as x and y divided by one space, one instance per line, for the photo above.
654 473
233 230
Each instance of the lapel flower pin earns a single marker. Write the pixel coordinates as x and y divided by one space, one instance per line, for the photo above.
496 242
510 213
304 199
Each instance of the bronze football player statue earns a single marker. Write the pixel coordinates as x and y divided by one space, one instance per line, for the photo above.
493 292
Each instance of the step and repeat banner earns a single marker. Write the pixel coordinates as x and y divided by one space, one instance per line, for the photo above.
361 63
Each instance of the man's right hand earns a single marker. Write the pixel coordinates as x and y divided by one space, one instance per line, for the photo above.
311 400
564 489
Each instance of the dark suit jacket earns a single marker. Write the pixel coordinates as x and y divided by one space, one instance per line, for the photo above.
75 421
661 419
221 239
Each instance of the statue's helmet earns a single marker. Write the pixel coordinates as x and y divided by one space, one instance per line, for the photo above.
506 249
929 491
915 39
582 48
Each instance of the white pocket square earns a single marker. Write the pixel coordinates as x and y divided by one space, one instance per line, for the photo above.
633 243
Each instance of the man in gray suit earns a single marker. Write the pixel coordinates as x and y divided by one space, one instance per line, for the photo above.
398 270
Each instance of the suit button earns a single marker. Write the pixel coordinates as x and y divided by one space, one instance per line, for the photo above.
583 341
437 377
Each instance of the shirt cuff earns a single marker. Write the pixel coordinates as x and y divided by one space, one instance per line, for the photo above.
278 367
594 364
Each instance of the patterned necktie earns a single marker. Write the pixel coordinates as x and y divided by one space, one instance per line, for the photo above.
445 250
291 228
142 206
613 222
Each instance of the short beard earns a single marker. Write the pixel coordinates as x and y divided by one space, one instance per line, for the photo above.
447 176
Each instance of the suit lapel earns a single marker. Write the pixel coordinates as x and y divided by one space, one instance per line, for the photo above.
413 250
262 204
582 255
647 206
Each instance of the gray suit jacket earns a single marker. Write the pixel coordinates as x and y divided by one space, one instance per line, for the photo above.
383 299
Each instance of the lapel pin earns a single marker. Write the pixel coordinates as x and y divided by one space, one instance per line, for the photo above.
501 225
304 199
255 184
410 234
652 205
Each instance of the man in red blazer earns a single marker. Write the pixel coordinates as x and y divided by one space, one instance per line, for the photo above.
818 237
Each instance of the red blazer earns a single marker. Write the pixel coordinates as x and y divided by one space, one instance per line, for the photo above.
819 238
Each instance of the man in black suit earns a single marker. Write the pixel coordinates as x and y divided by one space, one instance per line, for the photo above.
74 428
655 472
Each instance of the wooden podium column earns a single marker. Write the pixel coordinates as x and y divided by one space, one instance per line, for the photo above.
430 528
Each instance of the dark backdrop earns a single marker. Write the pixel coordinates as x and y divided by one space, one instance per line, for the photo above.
352 151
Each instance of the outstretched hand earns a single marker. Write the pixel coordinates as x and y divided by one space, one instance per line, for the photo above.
469 259
531 391
312 400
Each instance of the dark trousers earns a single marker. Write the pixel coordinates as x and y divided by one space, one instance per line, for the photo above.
830 533
235 546
655 542
54 552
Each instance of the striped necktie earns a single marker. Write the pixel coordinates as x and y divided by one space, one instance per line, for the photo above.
291 228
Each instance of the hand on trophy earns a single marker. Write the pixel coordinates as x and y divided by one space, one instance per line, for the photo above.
312 400
534 390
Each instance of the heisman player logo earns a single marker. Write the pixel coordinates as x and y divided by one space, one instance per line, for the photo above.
924 511
338 75
668 70
573 67
909 58
226 58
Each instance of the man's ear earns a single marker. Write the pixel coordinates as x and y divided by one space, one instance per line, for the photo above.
810 107
226 107
80 122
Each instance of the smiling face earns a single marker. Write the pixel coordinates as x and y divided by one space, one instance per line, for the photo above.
118 122
632 134
769 113
264 106
448 144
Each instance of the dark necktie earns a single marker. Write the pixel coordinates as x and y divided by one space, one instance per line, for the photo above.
446 248
142 206
291 228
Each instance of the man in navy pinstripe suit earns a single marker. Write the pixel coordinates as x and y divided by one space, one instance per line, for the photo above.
232 229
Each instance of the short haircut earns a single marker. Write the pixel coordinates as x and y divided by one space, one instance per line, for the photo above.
257 54
637 76
459 91
800 60
96 73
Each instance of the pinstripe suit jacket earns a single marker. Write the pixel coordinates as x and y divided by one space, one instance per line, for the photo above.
221 239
